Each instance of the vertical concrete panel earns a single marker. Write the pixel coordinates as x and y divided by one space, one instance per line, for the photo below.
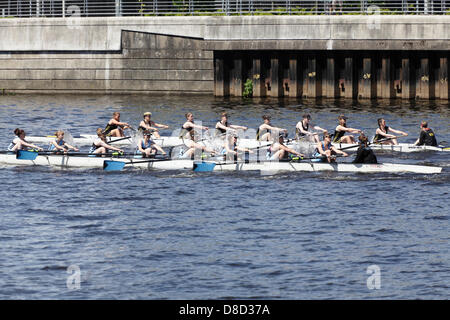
295 79
310 88
367 78
221 86
423 79
385 81
442 80
259 89
350 80
275 79
408 78
331 86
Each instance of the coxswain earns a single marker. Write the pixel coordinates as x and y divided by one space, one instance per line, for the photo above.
223 126
279 151
115 128
189 138
339 133
266 129
99 146
326 151
19 143
303 129
59 144
427 136
364 154
383 133
148 125
147 147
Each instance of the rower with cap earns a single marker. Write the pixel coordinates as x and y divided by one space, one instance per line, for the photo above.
59 144
19 142
339 133
223 126
100 146
231 149
303 129
189 138
115 128
427 136
266 129
325 151
383 132
364 154
148 125
279 151
147 147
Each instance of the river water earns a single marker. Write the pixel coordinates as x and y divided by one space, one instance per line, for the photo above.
183 235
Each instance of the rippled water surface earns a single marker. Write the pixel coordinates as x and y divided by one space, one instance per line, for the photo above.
180 235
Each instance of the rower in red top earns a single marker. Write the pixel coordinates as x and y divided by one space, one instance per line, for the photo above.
383 132
427 136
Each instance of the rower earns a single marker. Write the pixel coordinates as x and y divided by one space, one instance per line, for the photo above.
325 150
279 151
265 130
427 136
364 154
147 147
59 144
148 125
115 128
19 143
99 146
339 133
223 126
189 138
302 129
231 148
383 133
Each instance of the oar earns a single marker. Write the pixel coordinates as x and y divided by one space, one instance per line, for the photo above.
381 140
124 138
113 165
26 155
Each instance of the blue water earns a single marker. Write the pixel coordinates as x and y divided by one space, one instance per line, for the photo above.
182 235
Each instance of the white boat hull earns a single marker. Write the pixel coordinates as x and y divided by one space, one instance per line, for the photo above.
179 164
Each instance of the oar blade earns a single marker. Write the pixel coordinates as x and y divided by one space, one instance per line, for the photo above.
111 165
204 166
26 155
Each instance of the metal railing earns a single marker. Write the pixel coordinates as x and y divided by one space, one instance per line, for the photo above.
119 8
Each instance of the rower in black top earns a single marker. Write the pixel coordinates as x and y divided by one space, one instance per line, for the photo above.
427 136
364 154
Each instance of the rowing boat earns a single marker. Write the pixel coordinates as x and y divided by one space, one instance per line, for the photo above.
173 141
69 161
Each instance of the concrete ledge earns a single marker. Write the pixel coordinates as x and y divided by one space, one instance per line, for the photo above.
104 33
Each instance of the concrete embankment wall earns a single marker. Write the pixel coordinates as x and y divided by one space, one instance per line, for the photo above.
332 56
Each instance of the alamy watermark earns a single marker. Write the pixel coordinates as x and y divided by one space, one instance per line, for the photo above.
374 280
73 281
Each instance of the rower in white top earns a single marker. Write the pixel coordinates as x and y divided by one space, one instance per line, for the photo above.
265 130
189 137
303 129
148 125
279 151
383 133
231 149
99 146
19 143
